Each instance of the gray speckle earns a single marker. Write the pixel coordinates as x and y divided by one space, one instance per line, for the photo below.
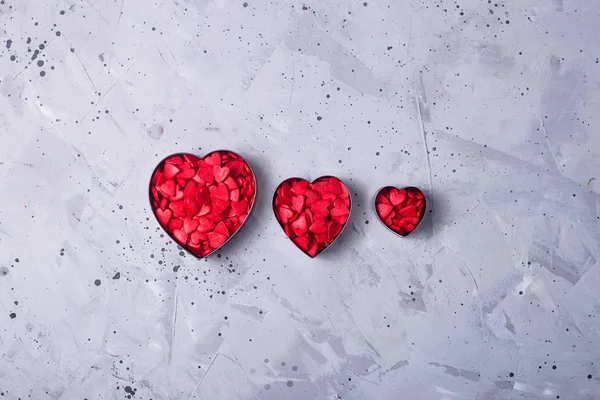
459 372
508 324
254 312
559 5
504 384
399 364
155 131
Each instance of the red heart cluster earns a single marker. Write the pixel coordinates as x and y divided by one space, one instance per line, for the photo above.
312 214
401 210
201 203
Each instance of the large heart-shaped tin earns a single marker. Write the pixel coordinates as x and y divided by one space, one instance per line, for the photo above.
202 202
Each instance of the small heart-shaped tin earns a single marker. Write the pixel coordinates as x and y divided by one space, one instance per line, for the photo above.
202 202
400 210
312 215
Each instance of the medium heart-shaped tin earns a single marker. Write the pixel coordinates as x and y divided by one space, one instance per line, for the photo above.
312 215
400 210
202 202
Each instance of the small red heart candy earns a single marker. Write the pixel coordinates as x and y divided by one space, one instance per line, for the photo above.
190 225
239 207
205 173
175 223
213 158
300 188
298 203
220 173
235 167
163 216
170 171
311 197
186 174
205 224
400 210
202 203
220 192
168 188
312 215
300 225
216 239
222 229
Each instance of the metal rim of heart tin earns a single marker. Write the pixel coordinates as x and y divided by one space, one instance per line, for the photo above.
181 154
275 195
420 218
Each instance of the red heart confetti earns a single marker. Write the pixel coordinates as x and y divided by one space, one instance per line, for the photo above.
401 210
313 214
202 203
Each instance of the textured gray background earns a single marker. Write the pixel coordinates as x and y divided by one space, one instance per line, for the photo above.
490 106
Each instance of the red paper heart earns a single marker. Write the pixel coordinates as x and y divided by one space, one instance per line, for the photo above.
401 210
202 203
313 214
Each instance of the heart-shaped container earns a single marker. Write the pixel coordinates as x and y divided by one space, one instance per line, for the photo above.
419 216
151 198
319 179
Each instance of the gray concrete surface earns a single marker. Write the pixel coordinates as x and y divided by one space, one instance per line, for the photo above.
491 107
